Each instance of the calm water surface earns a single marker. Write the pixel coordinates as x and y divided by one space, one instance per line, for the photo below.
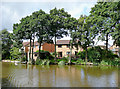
58 76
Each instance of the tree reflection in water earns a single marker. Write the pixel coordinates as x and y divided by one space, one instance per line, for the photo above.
59 76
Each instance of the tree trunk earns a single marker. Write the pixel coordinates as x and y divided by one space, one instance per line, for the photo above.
119 51
106 44
70 52
39 48
55 47
30 52
39 44
86 56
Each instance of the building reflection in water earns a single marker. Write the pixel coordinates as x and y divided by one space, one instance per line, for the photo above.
59 76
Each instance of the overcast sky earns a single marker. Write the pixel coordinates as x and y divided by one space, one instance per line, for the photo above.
11 11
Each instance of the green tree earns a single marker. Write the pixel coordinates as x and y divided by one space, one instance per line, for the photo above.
24 30
84 34
41 23
105 16
15 54
57 21
6 43
71 24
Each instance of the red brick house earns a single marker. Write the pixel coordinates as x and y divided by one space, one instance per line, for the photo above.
45 46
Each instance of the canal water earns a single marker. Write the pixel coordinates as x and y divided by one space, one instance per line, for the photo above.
22 75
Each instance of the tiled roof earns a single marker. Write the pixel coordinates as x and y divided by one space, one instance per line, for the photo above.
62 41
26 43
35 43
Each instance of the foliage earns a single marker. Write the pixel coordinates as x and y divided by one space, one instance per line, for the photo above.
41 51
42 62
45 54
23 59
84 36
79 61
53 54
105 18
103 62
96 54
41 26
61 63
52 61
57 23
15 54
65 59
6 43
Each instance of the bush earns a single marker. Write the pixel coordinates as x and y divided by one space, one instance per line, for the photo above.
96 55
104 63
23 59
115 62
61 63
15 54
80 61
52 61
45 54
38 62
65 59
42 62
53 54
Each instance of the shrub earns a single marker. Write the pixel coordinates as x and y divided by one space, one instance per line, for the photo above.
52 61
45 54
96 54
61 63
104 63
65 59
115 62
42 62
80 61
23 59
15 54
38 62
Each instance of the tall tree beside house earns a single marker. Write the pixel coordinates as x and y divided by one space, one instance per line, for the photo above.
6 43
114 9
84 34
57 21
41 23
71 24
24 30
106 18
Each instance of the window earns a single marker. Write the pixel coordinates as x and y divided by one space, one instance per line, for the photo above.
67 52
59 46
59 54
68 45
35 54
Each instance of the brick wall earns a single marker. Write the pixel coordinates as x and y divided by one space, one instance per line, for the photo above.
49 47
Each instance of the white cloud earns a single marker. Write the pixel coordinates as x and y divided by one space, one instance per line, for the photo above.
49 0
12 12
82 8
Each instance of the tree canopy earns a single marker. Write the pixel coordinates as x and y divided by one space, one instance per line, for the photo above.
6 43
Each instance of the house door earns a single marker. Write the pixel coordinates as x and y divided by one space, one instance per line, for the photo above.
60 54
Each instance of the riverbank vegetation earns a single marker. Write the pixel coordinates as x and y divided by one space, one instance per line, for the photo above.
102 23
96 56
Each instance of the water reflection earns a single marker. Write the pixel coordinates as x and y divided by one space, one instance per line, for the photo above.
58 76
